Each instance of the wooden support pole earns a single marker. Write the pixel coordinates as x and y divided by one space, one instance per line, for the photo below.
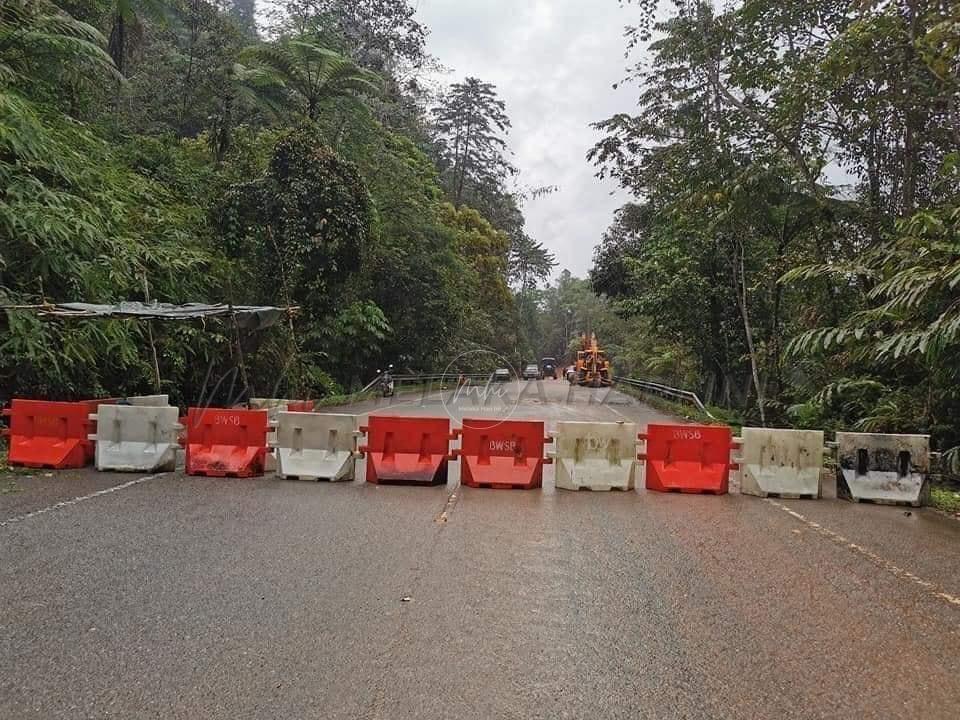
153 344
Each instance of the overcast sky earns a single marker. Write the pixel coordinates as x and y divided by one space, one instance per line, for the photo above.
553 62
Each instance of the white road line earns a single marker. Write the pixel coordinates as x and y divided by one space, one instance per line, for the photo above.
76 500
880 562
611 408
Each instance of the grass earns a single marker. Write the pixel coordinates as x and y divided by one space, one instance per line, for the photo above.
945 498
7 484
684 410
8 473
336 400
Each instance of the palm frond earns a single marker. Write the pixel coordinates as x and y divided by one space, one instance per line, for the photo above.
38 34
313 72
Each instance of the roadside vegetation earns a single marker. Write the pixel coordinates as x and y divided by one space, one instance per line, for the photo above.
946 499
172 148
792 249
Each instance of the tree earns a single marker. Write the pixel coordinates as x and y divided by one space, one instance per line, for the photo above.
127 26
76 221
40 42
228 176
485 250
310 74
380 35
308 218
470 123
530 263
301 231
741 112
245 13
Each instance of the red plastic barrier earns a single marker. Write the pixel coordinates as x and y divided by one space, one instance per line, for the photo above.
407 450
50 434
300 406
501 454
226 443
688 458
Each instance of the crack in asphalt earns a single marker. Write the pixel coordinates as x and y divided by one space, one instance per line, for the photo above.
448 507
399 638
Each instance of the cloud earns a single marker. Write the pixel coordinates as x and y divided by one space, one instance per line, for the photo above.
554 63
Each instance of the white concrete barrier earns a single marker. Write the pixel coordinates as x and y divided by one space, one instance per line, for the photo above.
273 406
890 469
133 438
596 455
149 400
782 463
312 446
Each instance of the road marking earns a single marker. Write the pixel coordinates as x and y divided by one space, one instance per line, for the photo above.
880 562
76 500
613 409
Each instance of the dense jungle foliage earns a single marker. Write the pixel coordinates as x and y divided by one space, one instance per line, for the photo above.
792 248
179 148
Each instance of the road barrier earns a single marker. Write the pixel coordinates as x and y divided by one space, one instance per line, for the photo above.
53 435
149 400
274 406
311 446
878 468
781 463
140 433
504 454
277 405
687 458
136 438
407 450
596 455
226 443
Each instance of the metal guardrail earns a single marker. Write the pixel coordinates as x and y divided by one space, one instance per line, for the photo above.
643 385
666 391
424 378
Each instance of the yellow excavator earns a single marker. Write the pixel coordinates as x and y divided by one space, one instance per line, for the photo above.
592 368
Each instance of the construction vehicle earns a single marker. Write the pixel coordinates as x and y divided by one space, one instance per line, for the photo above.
592 368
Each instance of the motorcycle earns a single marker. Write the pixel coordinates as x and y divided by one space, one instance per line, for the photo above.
386 383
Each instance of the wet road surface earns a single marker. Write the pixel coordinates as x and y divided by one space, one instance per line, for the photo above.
181 597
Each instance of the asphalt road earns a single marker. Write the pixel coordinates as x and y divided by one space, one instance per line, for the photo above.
180 597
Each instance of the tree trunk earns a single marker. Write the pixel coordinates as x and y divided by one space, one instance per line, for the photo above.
873 180
773 366
191 54
463 164
740 270
911 121
456 154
